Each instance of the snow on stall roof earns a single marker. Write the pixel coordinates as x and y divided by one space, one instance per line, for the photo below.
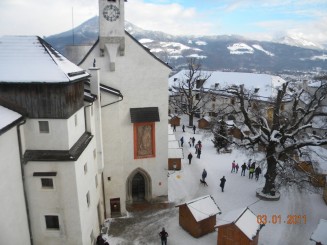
27 59
171 137
173 144
7 117
267 84
175 153
320 233
203 207
244 219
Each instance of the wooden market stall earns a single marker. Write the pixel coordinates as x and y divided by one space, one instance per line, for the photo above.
198 216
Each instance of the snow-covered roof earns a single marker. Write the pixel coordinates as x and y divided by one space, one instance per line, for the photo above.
203 207
244 219
171 137
173 144
266 84
170 130
320 233
29 59
207 118
175 153
7 117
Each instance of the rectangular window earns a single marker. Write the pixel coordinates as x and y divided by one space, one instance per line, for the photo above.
88 198
144 140
44 127
85 168
52 222
47 183
94 153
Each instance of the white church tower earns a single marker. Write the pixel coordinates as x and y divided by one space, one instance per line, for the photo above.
111 32
134 107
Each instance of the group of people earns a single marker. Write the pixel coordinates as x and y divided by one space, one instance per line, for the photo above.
251 166
183 128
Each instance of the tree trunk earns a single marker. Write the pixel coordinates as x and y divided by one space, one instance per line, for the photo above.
190 120
271 173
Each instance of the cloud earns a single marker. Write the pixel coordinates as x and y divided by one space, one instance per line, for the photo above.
170 18
19 17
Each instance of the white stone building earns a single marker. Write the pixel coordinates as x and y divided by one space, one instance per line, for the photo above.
134 101
13 206
52 155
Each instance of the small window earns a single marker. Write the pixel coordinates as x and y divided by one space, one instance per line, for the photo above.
96 180
197 96
85 168
44 127
88 198
232 101
52 222
76 121
47 183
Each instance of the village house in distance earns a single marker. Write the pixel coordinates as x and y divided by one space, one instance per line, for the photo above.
134 105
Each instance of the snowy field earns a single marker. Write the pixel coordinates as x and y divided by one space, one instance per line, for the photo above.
239 192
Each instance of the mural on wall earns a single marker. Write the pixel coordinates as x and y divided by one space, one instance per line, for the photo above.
144 140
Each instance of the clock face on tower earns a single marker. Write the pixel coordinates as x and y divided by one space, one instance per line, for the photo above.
111 12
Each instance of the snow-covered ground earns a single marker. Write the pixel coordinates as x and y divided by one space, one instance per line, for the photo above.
184 185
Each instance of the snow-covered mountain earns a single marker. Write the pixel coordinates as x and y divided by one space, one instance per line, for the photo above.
223 52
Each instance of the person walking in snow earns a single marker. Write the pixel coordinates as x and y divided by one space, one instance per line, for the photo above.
194 128
189 158
243 169
237 167
182 141
233 167
163 236
196 148
251 171
193 141
204 175
190 142
222 183
174 128
183 128
249 163
257 172
199 153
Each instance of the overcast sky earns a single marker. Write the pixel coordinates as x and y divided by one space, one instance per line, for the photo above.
258 19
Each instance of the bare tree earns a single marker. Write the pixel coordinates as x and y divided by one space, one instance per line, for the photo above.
190 96
284 132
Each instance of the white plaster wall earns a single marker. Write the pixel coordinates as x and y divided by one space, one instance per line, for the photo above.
143 82
62 135
12 205
67 200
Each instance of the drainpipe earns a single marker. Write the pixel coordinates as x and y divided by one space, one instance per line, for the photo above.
22 162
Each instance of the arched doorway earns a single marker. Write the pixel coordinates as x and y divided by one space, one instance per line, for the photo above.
138 187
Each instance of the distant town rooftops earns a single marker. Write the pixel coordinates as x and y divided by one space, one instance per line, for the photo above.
263 85
30 59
